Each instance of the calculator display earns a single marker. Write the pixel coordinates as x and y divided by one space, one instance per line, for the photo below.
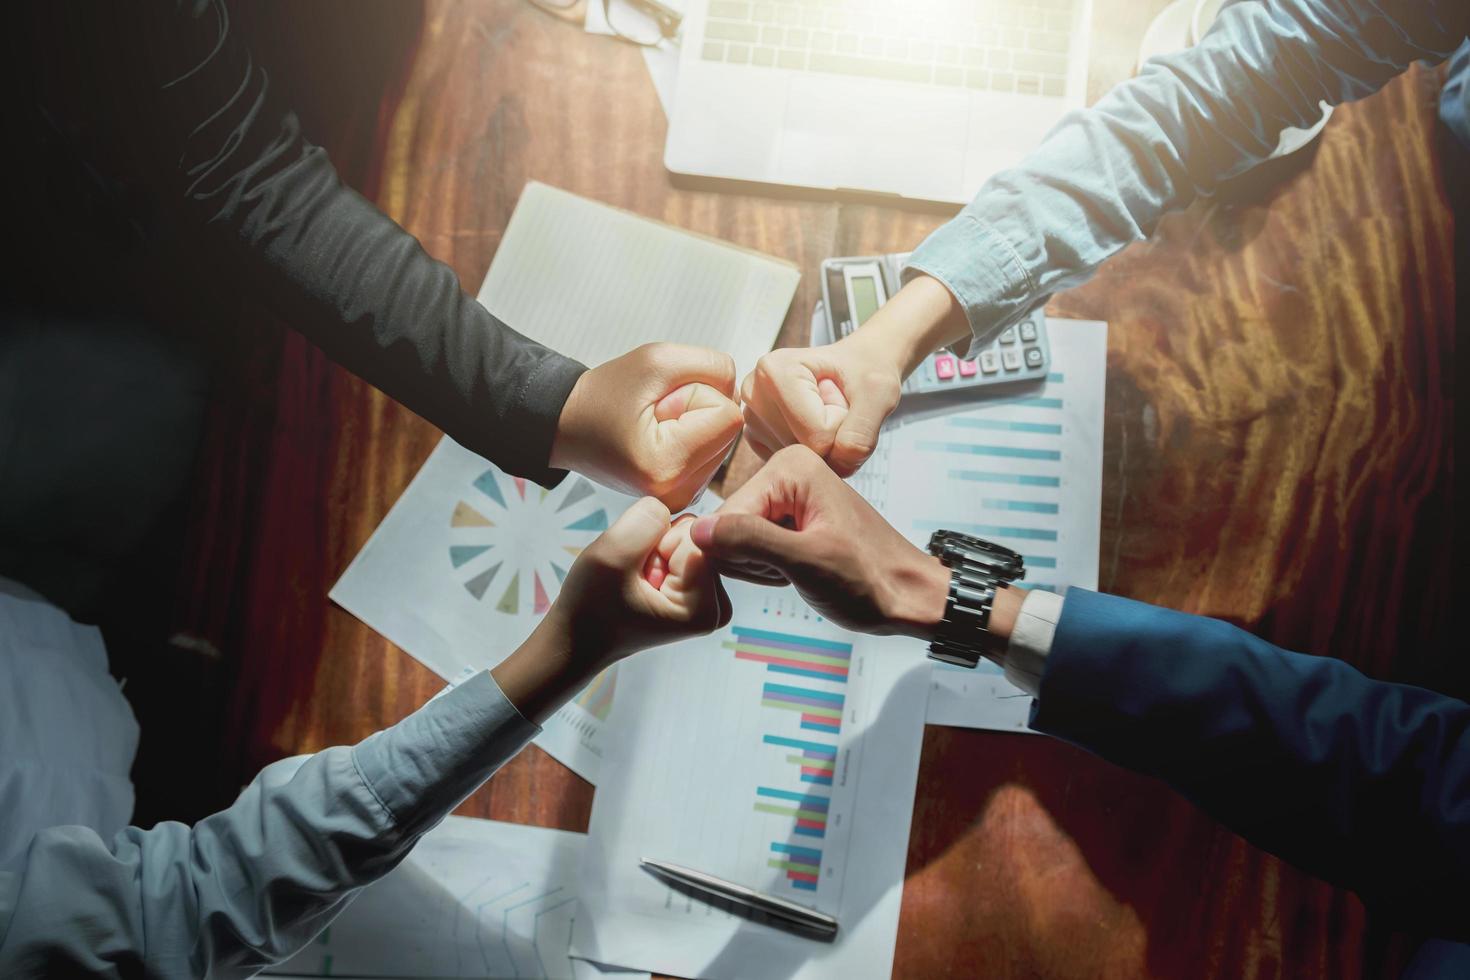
864 298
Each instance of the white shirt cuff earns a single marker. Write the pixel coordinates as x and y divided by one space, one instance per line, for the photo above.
1031 638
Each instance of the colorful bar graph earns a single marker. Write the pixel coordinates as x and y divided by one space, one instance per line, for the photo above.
788 653
803 865
821 711
809 811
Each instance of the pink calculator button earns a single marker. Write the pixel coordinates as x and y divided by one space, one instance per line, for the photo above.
944 367
967 369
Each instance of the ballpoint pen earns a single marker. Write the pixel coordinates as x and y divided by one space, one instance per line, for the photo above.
822 925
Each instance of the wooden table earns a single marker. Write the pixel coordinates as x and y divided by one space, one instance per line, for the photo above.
1278 453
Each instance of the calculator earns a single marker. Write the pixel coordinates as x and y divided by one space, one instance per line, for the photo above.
852 290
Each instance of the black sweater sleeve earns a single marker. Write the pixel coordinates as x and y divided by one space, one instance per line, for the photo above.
233 165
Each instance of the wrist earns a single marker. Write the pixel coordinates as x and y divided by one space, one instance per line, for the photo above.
919 593
1004 611
921 318
565 445
545 671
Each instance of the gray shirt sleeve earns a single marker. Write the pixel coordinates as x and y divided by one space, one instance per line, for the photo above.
250 885
1105 175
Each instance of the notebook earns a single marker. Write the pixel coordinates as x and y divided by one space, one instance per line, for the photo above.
593 281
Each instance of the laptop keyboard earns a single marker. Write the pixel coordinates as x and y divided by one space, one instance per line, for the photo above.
1015 46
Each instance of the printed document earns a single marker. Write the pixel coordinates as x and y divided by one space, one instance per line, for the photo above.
475 898
780 753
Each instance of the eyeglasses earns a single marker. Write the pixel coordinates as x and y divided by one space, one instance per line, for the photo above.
646 23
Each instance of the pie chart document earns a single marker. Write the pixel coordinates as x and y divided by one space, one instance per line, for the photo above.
465 565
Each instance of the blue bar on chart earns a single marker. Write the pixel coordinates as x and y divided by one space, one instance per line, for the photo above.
820 711
815 763
803 865
808 811
789 653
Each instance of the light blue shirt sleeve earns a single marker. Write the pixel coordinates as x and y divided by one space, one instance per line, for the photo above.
250 885
1105 175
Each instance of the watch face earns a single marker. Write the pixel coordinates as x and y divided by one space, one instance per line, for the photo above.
954 548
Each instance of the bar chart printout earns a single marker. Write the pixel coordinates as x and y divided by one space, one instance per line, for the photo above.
748 755
1023 470
822 666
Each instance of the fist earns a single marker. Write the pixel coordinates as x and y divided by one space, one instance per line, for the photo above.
658 420
641 584
796 521
832 400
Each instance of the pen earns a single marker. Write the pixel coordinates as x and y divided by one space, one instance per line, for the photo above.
776 908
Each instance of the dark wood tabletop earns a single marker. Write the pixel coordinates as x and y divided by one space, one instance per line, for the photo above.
1277 452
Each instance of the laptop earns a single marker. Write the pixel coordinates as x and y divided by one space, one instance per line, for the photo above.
923 99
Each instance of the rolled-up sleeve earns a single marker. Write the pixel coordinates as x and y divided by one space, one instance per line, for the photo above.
1105 176
250 885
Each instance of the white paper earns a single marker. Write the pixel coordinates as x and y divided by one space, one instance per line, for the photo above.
593 282
703 771
475 898
1022 470
464 565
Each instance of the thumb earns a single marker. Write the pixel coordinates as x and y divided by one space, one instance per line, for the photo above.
747 538
857 437
626 545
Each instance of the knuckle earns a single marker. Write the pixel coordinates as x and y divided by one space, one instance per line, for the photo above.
859 444
767 370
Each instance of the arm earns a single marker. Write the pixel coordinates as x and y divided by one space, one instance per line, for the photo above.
1106 175
1361 782
1364 783
1100 180
164 94
233 161
248 886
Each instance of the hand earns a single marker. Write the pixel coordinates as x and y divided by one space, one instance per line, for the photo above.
796 521
833 399
657 420
642 583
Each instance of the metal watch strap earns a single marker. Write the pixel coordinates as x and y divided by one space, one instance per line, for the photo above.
960 637
977 568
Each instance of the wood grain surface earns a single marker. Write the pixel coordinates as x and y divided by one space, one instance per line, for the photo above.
1278 453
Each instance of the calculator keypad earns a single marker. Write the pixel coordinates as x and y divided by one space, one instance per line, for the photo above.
1020 352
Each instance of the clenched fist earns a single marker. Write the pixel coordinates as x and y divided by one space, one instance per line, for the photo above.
833 399
657 420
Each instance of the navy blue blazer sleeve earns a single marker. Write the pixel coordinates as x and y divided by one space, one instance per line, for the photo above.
1361 782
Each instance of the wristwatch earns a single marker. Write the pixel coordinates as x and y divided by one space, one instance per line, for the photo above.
977 568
